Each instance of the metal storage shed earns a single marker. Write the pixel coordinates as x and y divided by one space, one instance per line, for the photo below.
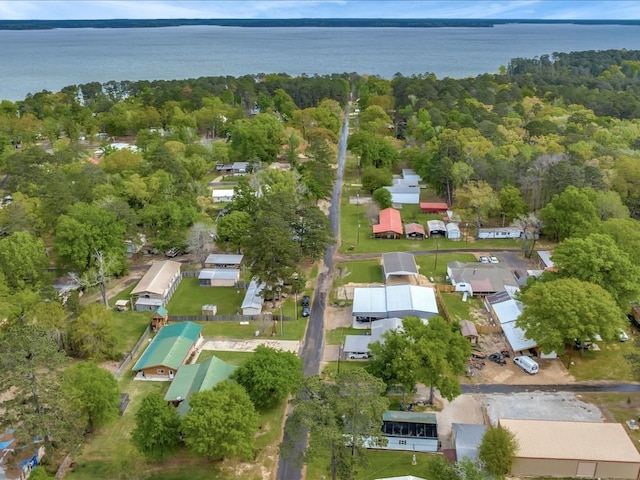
453 231
436 227
218 277
572 449
252 303
394 301
466 439
369 302
399 263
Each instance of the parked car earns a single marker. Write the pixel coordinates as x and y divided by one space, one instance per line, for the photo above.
582 345
305 311
497 358
358 355
623 336
483 259
493 259
305 301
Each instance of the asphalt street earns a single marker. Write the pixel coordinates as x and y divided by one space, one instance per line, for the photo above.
313 344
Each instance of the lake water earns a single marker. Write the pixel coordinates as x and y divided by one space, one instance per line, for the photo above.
34 60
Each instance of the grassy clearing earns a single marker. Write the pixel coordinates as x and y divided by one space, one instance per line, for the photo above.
459 310
337 335
130 326
287 330
190 297
608 363
360 271
430 267
382 464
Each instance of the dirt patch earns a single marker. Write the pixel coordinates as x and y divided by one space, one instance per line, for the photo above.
345 292
552 372
336 317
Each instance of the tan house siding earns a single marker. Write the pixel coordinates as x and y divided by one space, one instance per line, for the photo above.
617 470
543 467
154 372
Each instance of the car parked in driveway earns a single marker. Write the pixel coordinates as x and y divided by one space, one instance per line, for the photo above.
305 301
483 259
493 259
623 336
305 311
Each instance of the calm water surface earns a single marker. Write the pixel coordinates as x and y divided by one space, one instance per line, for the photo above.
31 61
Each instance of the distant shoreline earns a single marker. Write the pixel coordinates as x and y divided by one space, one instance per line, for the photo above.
294 22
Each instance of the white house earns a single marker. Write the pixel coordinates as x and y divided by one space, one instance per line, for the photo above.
221 196
404 193
499 232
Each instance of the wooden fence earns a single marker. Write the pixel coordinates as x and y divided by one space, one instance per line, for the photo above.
488 329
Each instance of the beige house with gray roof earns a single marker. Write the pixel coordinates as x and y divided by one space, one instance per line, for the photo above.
481 279
157 286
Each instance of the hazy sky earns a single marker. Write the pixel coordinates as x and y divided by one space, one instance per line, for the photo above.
520 9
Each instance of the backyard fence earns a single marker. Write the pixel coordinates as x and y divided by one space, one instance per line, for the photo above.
132 353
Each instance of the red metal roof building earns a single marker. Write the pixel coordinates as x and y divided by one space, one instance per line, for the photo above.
430 207
389 224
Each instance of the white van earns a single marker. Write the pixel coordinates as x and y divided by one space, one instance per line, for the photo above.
358 355
527 364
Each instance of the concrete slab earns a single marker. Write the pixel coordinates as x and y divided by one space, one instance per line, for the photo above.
231 345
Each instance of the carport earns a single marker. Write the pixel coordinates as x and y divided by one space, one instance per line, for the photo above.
399 264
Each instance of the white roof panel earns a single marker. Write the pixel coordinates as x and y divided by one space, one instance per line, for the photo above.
517 338
369 301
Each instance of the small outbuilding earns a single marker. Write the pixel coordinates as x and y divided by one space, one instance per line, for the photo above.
434 207
467 439
218 277
122 305
414 231
436 227
159 319
499 232
223 260
399 264
453 231
572 449
253 299
468 330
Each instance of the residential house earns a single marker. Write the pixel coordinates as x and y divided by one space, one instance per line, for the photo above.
253 299
219 277
223 260
572 449
505 310
480 279
389 224
434 207
157 286
159 319
222 195
409 431
499 232
195 378
414 231
404 193
171 348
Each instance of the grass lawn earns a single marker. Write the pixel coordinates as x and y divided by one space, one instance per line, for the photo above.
234 358
429 267
382 464
104 448
190 297
360 271
337 335
129 326
608 363
459 310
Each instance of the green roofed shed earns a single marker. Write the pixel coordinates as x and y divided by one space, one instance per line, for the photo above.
169 349
197 378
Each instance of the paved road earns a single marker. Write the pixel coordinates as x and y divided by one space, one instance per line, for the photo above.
593 387
313 345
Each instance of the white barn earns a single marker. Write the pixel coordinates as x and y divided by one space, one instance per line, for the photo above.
453 231
404 194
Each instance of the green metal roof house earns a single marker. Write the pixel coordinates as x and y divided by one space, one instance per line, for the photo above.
169 349
191 379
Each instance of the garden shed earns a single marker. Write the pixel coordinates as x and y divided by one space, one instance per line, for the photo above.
159 319
414 231
218 277
572 449
468 330
436 227
252 303
453 231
